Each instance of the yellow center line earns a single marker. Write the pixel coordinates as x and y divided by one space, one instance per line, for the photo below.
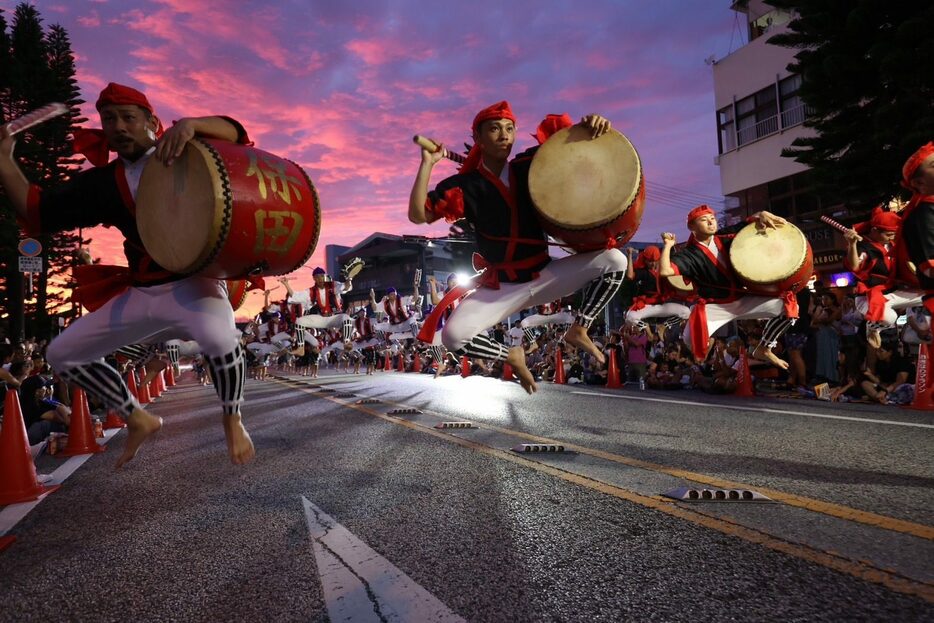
860 569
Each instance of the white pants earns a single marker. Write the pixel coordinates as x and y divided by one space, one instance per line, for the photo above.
746 308
895 302
315 321
485 307
409 325
665 310
537 320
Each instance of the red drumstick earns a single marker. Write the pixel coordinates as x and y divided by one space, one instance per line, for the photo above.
840 226
35 117
432 146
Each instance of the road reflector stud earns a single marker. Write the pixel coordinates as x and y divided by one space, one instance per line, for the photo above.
367 401
690 494
325 390
455 425
405 411
344 395
538 447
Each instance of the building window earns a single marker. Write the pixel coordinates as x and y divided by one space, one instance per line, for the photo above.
757 116
793 109
726 129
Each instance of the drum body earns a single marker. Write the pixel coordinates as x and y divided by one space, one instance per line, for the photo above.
236 292
588 192
680 286
772 261
226 211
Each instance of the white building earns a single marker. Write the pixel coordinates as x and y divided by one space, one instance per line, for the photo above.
759 114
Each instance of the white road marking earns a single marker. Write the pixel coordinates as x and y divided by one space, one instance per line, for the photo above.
359 584
12 514
630 396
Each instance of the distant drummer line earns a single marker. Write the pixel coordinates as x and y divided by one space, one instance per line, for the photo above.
210 215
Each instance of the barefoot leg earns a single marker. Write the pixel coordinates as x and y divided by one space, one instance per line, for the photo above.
239 444
764 353
140 425
516 359
577 336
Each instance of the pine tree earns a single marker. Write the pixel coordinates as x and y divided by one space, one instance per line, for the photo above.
865 69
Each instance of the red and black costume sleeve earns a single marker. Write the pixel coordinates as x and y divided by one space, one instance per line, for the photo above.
509 237
918 238
876 270
715 281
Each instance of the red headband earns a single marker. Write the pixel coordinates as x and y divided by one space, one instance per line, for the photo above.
551 124
499 110
120 95
911 165
91 143
881 220
649 254
699 211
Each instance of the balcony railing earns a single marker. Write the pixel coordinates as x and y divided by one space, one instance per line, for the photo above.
772 125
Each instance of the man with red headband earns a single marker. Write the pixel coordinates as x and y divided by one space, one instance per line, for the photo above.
705 261
324 304
492 194
150 304
870 255
653 296
914 242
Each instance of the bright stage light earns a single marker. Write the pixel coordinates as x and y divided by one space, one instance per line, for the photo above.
462 279
842 282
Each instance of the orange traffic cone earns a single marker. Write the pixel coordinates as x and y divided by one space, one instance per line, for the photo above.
612 372
507 372
154 389
81 438
113 420
387 365
401 365
417 364
160 382
559 368
465 366
744 387
144 397
6 541
170 376
131 384
924 381
18 482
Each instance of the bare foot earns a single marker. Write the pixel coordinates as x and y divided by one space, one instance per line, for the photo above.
764 353
239 444
139 425
874 338
153 368
532 348
577 336
516 359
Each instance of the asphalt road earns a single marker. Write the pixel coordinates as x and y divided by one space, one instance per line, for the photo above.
478 531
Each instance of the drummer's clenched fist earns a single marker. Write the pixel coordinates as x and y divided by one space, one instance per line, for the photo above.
432 157
669 239
598 125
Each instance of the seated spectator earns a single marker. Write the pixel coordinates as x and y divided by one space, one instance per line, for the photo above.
41 413
886 371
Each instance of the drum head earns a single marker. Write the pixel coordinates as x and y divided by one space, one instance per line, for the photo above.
768 256
680 284
180 209
582 183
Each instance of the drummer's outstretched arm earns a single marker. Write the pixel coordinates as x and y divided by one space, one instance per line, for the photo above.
11 177
172 143
665 269
419 195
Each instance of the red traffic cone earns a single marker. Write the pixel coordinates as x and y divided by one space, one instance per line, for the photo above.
131 384
6 541
507 372
559 368
81 438
160 382
18 482
154 389
612 372
387 365
465 366
170 376
744 387
144 397
924 380
417 364
113 420
401 365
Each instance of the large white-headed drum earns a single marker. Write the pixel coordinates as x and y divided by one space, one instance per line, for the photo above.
588 192
772 261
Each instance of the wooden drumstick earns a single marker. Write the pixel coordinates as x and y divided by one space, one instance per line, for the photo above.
430 145
839 226
35 117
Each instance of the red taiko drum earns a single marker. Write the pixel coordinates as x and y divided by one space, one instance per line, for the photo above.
771 261
588 192
236 292
226 211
